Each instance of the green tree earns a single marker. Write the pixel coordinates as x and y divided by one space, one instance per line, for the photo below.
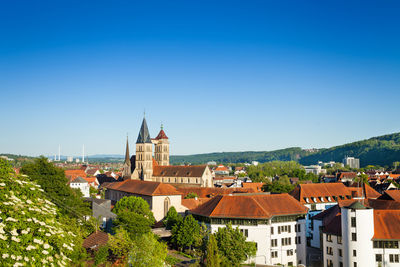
172 218
147 251
54 183
186 233
134 214
233 247
191 195
212 259
5 168
101 255
277 187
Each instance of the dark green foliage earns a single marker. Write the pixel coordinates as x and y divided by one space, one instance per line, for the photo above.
233 247
172 218
191 195
101 255
186 233
54 183
287 154
134 214
5 168
212 259
277 187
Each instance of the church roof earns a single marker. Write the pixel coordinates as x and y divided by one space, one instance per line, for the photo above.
161 135
144 135
145 188
179 171
127 158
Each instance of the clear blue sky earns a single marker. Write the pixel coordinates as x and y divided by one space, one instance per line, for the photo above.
220 75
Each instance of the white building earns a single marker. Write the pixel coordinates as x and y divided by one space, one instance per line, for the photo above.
360 234
315 169
352 162
81 184
274 222
160 196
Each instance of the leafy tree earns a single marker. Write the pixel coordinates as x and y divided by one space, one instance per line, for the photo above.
213 259
101 255
5 168
233 247
277 187
120 244
186 233
134 214
147 251
54 183
191 195
172 218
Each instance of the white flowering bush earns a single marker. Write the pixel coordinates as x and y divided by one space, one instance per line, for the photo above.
31 231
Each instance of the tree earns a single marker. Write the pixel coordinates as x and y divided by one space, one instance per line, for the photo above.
191 195
233 247
277 187
185 233
5 168
54 183
172 218
134 214
213 259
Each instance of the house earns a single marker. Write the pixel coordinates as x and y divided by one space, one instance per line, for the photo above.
92 181
274 222
159 196
95 241
93 172
82 185
391 195
221 170
72 174
361 233
346 176
315 169
101 210
256 186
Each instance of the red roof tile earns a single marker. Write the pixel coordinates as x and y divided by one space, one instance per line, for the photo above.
192 203
256 186
95 240
206 192
179 171
317 193
145 188
161 135
261 206
387 224
72 174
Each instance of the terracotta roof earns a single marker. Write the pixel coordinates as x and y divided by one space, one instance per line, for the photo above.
259 206
347 175
72 174
392 195
79 180
207 192
366 191
92 171
192 203
221 168
255 186
145 188
95 240
179 171
318 193
387 224
161 135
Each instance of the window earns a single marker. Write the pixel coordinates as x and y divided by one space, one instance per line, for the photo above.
272 230
340 252
274 254
297 240
394 257
353 237
354 253
329 238
289 252
313 207
386 244
378 257
329 250
355 264
286 241
274 242
339 240
329 263
340 264
353 221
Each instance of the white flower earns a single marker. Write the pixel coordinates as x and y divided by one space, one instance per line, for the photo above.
45 252
29 219
50 258
37 241
3 237
2 184
44 261
19 258
46 246
9 219
30 247
47 234
5 256
2 231
13 257
14 232
24 232
16 239
26 258
32 188
29 201
17 264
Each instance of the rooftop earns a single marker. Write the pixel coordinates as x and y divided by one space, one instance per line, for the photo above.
145 188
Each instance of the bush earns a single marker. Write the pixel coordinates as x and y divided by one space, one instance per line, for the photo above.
101 255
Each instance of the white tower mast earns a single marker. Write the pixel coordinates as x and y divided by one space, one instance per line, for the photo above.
83 153
59 152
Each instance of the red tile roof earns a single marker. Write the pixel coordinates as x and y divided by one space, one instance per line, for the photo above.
161 135
387 224
72 174
258 206
221 168
318 193
256 186
145 188
95 240
192 203
207 192
393 194
364 191
179 171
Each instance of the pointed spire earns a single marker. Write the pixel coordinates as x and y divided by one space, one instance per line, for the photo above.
127 158
144 135
161 134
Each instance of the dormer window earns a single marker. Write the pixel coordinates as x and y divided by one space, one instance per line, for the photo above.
321 199
314 199
306 200
329 199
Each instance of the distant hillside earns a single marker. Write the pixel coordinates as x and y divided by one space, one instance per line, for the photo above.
293 153
382 150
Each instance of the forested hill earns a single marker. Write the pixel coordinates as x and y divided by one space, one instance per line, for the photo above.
382 150
293 153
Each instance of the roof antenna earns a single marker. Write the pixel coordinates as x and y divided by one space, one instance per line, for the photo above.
162 126
144 113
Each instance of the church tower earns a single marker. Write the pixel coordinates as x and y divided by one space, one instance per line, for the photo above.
144 154
161 152
126 171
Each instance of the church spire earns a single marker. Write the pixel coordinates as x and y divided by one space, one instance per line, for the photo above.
127 158
144 135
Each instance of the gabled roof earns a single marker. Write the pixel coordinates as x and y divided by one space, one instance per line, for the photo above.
144 135
192 203
72 174
391 195
365 191
95 240
179 171
386 224
145 188
207 192
252 206
256 186
318 193
79 180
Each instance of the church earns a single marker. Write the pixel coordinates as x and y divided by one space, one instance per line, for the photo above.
147 166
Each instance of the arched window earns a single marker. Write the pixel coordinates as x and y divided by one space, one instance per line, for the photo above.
167 205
